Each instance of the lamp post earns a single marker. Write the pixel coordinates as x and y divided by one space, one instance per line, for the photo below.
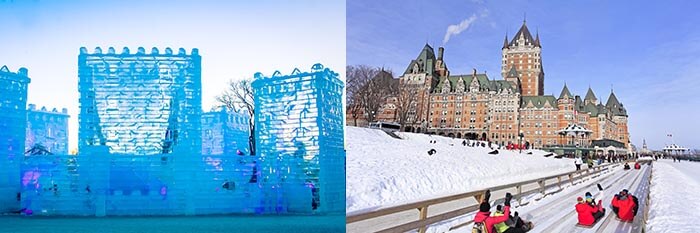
520 145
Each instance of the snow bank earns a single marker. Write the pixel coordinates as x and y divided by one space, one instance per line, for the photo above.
674 206
383 171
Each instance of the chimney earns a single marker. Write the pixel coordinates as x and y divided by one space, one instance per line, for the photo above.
32 107
441 50
64 110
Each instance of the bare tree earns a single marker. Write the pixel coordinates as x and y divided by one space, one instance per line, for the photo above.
354 82
357 79
240 96
367 90
405 102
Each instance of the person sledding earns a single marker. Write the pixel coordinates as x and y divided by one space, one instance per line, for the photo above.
513 224
484 222
588 215
590 200
625 205
637 166
627 166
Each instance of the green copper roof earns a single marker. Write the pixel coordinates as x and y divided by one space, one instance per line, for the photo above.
454 82
425 61
565 92
590 95
591 108
616 108
513 72
538 101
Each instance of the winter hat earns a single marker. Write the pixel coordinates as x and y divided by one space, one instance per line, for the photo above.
625 191
484 207
588 194
579 199
499 208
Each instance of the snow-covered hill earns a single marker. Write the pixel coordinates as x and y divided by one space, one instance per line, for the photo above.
383 171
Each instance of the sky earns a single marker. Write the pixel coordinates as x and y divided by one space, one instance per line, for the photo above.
646 52
235 39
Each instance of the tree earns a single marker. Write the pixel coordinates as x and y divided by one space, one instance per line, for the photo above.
240 96
38 149
367 90
405 104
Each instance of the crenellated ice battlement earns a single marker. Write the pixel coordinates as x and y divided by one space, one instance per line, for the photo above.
33 107
22 71
316 68
139 51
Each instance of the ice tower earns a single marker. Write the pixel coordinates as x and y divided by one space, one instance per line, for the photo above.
140 103
140 130
13 121
47 130
299 137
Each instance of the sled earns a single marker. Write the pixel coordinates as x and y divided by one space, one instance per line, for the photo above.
620 220
587 226
529 226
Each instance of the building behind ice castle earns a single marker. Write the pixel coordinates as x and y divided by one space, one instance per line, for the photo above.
475 106
47 130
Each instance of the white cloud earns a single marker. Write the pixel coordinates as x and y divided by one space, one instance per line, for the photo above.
455 29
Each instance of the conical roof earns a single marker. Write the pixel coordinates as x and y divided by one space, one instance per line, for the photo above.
590 96
522 32
565 93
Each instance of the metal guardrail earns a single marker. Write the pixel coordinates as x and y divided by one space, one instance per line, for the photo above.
422 206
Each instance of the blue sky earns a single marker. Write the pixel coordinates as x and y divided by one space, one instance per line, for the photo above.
235 39
647 51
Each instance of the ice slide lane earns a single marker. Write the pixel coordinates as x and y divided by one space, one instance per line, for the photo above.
563 218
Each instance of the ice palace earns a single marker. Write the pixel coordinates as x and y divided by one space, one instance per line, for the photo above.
141 136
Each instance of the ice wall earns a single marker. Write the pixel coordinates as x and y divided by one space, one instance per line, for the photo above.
122 184
225 132
13 121
47 129
299 136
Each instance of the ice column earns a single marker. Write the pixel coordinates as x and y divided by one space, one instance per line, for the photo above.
299 137
13 122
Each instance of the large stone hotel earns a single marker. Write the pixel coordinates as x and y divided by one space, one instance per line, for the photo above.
475 106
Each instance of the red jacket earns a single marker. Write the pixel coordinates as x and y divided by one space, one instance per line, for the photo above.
489 221
626 208
637 166
585 213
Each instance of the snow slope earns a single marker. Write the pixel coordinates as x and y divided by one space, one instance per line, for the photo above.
383 171
674 188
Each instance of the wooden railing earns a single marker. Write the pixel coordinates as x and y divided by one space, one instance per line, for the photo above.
646 198
422 206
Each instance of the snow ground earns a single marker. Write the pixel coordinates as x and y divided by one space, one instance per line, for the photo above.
383 171
674 188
